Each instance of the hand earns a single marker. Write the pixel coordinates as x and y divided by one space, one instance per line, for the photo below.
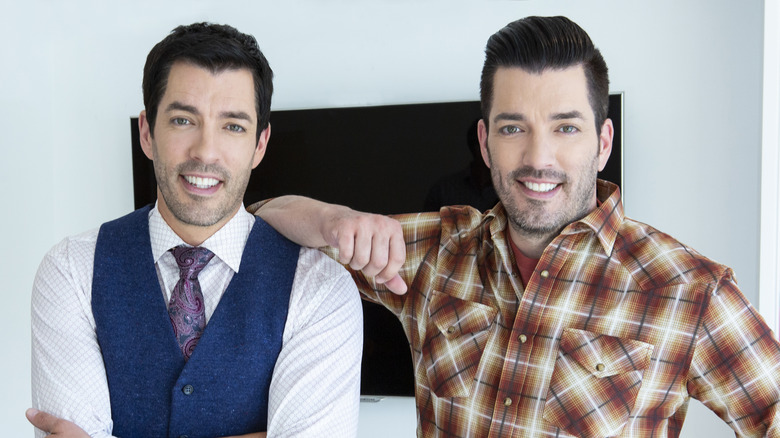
55 427
370 243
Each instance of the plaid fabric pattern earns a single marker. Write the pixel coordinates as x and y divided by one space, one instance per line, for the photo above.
618 326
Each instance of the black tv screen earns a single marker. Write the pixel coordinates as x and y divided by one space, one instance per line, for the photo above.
382 159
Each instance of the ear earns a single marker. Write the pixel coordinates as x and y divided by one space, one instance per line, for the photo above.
262 143
605 142
482 135
146 135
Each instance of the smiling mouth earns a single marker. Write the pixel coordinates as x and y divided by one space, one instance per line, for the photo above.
539 187
201 183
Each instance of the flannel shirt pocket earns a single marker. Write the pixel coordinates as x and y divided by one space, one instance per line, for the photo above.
595 382
456 336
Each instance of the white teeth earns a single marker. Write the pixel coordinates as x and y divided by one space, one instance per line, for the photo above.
543 187
201 183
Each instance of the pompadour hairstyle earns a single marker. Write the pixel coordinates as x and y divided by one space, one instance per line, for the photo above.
536 44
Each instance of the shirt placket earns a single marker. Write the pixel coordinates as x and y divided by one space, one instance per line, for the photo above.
517 396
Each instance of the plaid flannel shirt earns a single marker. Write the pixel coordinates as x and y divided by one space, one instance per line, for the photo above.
618 326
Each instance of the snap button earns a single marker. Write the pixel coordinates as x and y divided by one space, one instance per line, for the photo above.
544 274
451 329
507 401
187 389
600 367
522 338
463 234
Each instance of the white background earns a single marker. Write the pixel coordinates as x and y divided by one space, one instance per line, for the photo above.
71 73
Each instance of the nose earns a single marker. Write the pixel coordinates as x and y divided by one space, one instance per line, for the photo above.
539 152
205 147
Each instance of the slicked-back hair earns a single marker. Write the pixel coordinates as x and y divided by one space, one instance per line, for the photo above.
216 48
536 44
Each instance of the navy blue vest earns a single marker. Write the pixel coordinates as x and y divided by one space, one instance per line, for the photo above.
223 389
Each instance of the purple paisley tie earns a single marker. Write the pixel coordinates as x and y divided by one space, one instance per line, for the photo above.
186 308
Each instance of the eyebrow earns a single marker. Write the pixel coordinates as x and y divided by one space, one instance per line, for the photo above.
514 117
569 115
178 106
518 117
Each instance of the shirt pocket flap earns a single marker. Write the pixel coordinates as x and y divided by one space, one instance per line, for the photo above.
455 317
605 355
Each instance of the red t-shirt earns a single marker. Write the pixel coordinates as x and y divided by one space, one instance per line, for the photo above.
525 265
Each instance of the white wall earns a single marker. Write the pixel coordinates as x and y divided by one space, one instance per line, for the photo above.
769 275
70 81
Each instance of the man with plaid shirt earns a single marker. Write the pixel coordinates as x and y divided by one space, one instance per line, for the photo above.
552 314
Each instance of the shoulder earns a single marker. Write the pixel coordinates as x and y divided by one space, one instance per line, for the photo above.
317 275
323 290
67 266
77 249
655 258
448 221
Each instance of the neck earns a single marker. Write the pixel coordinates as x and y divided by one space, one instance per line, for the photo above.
531 246
193 235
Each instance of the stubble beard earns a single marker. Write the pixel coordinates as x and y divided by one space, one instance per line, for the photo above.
192 209
534 220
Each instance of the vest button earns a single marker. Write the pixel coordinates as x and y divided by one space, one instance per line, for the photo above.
187 389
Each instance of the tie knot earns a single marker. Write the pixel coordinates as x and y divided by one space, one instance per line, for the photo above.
191 260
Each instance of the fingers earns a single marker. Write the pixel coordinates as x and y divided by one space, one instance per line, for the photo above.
41 420
396 285
345 243
393 256
365 256
53 425
373 244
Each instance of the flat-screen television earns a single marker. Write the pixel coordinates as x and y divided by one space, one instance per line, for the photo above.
383 159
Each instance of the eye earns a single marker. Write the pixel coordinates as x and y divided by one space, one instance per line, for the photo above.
235 128
568 129
509 130
180 121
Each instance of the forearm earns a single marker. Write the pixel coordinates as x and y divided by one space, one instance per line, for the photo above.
298 218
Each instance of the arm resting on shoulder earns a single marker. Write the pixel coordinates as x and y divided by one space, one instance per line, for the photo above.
371 243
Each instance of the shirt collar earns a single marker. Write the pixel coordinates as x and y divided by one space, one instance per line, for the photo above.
227 243
604 221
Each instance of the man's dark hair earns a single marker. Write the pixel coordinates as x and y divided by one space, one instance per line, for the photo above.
536 44
214 47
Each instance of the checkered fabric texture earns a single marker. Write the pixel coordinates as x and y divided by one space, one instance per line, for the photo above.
617 328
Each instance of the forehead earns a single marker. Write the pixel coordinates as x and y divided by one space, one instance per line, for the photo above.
225 90
548 92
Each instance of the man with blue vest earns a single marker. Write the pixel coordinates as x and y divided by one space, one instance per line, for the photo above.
159 323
